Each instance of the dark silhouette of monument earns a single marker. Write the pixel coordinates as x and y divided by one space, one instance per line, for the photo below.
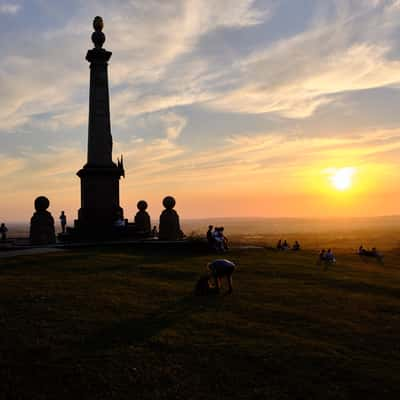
100 176
42 223
169 228
142 219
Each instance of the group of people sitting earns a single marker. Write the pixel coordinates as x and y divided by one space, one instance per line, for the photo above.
373 253
216 238
327 256
285 245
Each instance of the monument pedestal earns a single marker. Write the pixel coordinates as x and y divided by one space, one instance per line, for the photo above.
99 200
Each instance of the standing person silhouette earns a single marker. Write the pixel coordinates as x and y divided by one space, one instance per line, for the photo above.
63 221
210 236
3 231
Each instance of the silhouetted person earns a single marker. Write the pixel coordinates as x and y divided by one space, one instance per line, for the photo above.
63 221
224 238
219 240
373 253
322 255
296 246
219 269
377 255
285 245
154 231
279 245
203 286
3 232
119 223
210 236
329 257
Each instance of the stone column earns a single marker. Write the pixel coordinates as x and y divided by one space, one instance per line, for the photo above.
99 137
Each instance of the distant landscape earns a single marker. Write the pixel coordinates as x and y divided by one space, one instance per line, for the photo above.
341 233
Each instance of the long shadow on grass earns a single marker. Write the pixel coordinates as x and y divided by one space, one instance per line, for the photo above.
142 330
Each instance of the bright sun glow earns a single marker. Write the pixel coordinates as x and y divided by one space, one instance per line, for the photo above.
341 179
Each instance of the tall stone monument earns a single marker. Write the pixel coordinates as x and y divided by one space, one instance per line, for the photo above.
100 176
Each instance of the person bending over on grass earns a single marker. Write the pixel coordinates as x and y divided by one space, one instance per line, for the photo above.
219 269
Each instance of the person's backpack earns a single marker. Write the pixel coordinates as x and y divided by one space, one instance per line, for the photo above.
202 287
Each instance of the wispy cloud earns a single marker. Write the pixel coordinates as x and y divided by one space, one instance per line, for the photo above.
9 8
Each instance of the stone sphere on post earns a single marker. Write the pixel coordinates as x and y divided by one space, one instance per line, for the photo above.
142 205
169 202
169 226
42 203
42 223
142 219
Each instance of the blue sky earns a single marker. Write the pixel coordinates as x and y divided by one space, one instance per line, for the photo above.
248 102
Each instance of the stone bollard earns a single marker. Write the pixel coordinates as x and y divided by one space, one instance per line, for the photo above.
142 219
169 228
42 223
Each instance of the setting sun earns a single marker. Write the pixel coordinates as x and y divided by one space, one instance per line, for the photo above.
341 179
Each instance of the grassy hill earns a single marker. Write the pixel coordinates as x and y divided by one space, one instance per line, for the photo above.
117 323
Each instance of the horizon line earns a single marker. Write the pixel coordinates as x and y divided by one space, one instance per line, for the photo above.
265 218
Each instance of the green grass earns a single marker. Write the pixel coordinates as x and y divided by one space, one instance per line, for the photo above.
118 323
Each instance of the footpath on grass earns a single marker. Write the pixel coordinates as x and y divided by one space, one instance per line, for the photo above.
29 251
23 247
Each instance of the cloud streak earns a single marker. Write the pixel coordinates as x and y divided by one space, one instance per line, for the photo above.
9 8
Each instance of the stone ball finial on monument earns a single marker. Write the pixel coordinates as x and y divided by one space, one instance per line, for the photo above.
42 223
142 218
169 228
98 37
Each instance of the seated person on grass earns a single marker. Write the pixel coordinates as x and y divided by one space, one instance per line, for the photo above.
326 256
220 241
296 246
373 253
329 257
